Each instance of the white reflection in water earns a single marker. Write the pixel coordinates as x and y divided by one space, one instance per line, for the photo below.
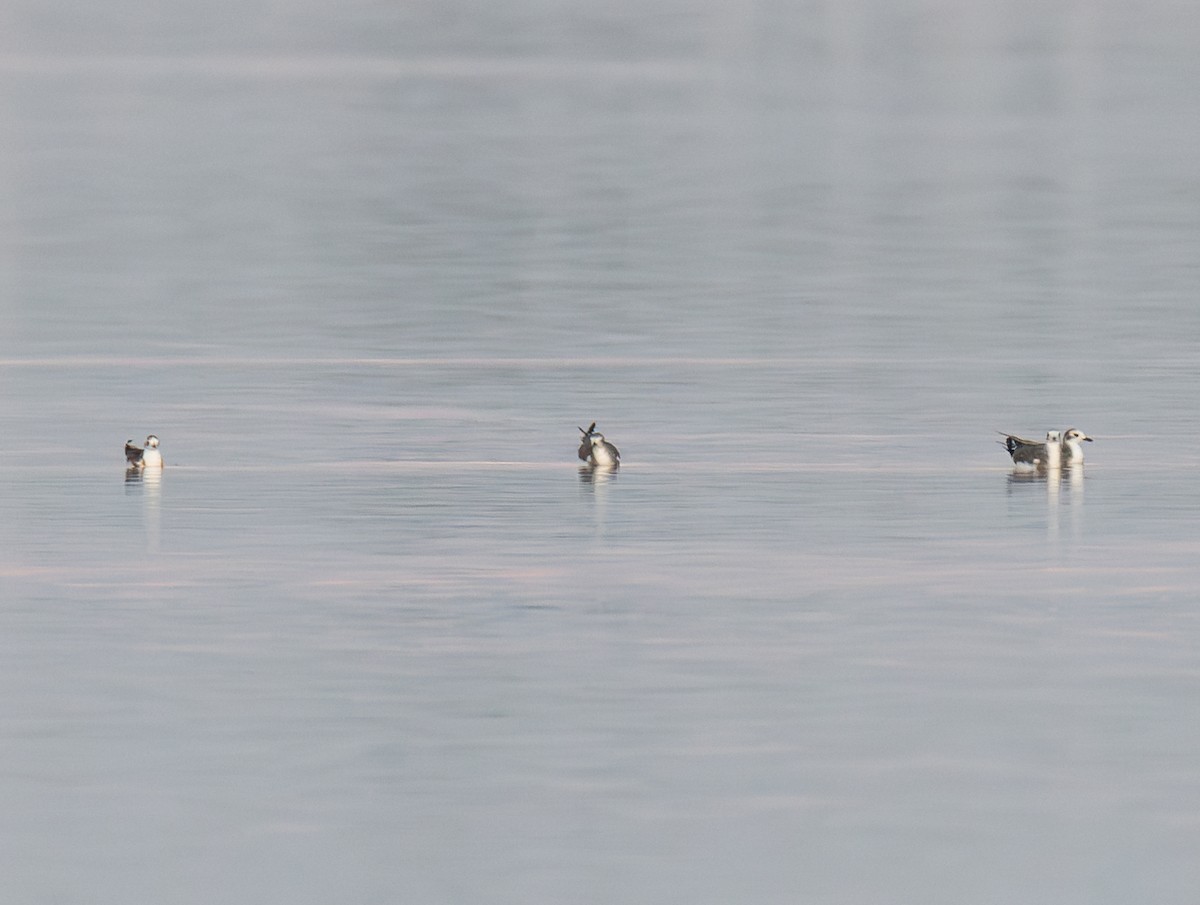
149 482
1056 499
597 479
597 474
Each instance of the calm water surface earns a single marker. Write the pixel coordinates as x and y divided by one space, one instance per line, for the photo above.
374 637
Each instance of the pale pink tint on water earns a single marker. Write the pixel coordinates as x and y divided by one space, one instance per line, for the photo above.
374 634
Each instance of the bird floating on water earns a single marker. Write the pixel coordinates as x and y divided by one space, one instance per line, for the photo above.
1060 448
595 450
1071 450
1034 454
143 457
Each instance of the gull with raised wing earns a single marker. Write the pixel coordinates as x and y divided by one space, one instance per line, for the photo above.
146 456
595 450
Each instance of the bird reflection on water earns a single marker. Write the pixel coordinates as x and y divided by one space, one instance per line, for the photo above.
149 483
1056 501
1052 478
598 481
598 474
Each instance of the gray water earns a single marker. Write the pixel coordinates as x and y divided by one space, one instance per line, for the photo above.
373 636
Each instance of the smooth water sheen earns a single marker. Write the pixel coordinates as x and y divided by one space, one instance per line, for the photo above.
374 636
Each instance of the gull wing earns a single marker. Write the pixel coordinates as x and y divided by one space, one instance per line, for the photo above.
1025 452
